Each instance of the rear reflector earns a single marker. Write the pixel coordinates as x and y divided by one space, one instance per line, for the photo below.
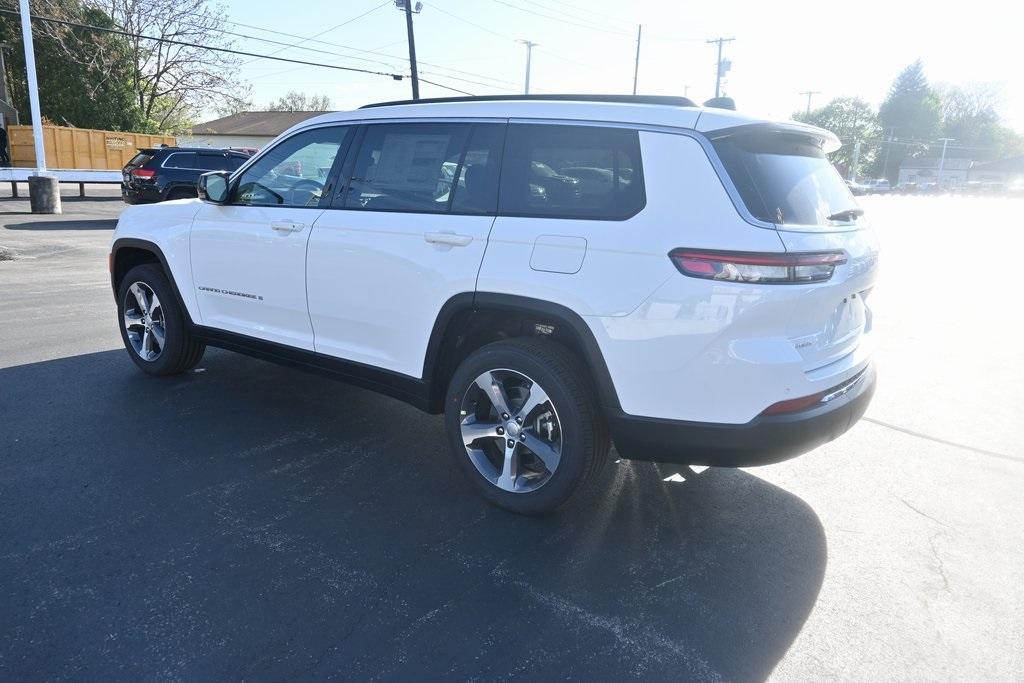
794 405
761 268
144 173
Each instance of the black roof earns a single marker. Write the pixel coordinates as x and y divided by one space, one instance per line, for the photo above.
668 100
208 150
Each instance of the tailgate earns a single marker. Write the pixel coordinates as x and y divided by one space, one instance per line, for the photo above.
830 319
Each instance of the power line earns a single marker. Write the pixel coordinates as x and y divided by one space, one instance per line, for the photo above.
354 49
471 23
335 27
574 17
555 18
446 87
171 41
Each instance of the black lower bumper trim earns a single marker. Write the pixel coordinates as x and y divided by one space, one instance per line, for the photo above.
762 441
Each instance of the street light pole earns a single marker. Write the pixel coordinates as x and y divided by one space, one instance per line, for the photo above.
43 190
529 53
636 64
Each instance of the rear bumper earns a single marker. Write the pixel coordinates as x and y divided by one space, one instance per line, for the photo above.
762 441
137 195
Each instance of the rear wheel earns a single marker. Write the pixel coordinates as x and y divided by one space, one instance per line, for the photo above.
523 425
153 326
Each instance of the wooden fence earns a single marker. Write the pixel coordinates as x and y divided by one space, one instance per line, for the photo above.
80 148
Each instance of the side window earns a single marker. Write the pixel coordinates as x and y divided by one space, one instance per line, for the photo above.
235 162
476 188
406 167
211 162
572 172
180 160
292 173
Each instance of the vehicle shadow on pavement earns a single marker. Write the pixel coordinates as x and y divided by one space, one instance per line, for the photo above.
251 521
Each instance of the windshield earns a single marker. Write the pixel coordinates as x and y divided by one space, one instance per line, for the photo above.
786 179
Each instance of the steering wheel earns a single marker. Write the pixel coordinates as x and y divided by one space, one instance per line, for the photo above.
304 185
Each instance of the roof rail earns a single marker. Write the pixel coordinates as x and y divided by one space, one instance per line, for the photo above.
667 100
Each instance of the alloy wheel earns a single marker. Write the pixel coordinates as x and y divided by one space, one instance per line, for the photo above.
510 430
144 321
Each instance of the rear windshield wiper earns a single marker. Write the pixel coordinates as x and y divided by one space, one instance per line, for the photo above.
846 215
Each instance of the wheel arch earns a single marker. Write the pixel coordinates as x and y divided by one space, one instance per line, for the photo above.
468 321
128 252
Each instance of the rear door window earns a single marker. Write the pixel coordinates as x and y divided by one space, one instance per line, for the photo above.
476 187
212 162
180 160
558 171
406 167
786 178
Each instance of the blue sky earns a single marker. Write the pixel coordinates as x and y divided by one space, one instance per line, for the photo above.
781 48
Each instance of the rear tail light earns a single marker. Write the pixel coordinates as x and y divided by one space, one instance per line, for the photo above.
769 269
143 173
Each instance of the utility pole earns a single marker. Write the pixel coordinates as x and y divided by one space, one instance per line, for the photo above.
855 162
810 94
407 6
3 74
529 54
888 147
719 71
942 159
636 65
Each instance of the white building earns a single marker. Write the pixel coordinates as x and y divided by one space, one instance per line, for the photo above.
244 129
925 171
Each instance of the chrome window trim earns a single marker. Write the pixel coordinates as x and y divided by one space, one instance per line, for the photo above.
700 138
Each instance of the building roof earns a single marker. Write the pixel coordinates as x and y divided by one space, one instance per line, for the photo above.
264 123
951 163
1009 165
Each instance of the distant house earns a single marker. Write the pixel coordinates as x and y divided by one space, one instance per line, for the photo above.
244 129
1005 171
925 170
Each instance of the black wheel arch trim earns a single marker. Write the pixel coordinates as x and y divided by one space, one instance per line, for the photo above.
146 245
472 303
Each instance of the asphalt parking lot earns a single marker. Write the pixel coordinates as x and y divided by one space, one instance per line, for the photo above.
246 521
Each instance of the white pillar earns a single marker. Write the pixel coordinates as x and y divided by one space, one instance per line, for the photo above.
33 87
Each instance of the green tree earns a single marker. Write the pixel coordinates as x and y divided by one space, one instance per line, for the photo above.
852 120
83 78
911 115
970 115
300 101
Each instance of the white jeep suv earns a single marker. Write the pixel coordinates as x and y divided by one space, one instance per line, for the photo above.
553 273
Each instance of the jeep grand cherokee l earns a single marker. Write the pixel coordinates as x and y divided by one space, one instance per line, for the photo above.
687 283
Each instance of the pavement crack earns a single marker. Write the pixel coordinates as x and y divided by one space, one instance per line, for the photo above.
945 442
922 513
940 566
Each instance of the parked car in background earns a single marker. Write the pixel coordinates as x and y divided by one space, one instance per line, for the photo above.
156 174
856 188
876 185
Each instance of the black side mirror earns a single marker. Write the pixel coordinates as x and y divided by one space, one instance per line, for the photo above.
213 187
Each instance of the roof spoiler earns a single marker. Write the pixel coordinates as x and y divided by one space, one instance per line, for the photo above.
721 103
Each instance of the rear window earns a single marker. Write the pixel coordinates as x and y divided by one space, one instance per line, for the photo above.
785 178
555 171
140 159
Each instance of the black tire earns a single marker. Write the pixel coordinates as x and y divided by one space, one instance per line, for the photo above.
180 351
181 193
584 434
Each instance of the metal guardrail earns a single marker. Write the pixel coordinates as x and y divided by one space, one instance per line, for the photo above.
79 176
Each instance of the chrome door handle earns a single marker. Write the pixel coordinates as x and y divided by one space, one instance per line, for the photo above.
287 226
450 238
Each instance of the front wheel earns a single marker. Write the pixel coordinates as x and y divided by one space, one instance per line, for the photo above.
153 326
523 425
